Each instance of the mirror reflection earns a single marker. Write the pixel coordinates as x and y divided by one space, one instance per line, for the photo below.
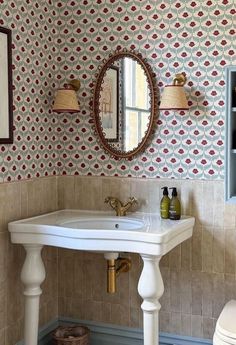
124 104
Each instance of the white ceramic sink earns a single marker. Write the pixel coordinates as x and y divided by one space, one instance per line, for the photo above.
104 223
142 233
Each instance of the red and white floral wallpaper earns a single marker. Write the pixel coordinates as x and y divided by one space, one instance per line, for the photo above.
57 40
197 37
34 57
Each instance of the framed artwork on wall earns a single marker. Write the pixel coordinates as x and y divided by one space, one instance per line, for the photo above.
6 108
109 104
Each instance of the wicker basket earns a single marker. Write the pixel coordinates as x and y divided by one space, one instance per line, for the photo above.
75 335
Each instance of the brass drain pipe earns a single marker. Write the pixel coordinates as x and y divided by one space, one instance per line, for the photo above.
124 265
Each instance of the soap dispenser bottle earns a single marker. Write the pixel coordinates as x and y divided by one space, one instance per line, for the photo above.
165 204
175 206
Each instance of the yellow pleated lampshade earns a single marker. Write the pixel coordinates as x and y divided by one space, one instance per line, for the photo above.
174 98
66 100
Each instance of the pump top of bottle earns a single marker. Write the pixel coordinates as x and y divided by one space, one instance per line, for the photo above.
165 190
174 191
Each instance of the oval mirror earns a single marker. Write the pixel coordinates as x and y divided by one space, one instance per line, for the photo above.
125 104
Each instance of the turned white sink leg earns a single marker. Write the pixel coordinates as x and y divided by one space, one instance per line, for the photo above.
150 288
32 275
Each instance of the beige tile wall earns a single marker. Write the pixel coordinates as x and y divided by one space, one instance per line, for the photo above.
199 275
19 200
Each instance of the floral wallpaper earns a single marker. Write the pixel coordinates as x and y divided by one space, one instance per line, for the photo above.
196 37
34 59
55 40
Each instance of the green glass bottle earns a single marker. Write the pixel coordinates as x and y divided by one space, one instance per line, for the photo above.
165 204
175 206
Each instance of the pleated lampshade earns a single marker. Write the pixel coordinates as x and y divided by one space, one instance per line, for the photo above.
173 96
66 99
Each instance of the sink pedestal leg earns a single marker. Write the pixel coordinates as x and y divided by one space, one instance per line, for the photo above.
32 275
150 288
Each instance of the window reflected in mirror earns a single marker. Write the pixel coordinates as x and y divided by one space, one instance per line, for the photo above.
136 103
124 104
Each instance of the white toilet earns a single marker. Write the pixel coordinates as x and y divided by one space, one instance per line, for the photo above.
225 332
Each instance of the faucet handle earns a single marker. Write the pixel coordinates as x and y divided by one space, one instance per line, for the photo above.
109 199
133 200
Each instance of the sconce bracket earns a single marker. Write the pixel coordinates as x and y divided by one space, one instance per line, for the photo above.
75 83
179 79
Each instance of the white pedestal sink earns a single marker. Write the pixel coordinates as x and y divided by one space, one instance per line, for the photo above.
145 234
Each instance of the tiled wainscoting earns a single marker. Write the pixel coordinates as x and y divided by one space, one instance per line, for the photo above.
20 200
199 275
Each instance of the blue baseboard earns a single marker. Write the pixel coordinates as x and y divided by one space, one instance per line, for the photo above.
107 334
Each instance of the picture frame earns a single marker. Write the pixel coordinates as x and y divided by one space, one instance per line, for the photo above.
6 99
109 104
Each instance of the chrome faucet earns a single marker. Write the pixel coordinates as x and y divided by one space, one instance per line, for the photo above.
118 206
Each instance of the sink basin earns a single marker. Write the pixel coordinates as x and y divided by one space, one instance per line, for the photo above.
143 233
105 223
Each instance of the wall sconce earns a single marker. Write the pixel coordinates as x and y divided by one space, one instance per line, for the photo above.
66 99
173 97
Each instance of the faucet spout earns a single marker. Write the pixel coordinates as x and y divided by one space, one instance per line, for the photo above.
118 206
